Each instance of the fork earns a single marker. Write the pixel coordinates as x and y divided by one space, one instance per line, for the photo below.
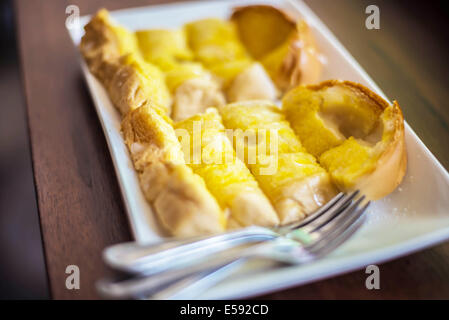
182 283
191 286
150 259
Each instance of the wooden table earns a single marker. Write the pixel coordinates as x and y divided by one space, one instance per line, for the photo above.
80 206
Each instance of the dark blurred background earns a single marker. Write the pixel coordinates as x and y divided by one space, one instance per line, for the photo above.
415 37
22 269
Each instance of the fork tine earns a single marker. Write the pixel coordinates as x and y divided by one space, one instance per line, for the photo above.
315 215
337 226
337 208
332 239
341 238
343 220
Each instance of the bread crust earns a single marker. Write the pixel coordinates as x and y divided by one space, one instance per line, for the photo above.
278 16
182 203
238 10
179 197
301 64
391 166
300 61
99 43
125 89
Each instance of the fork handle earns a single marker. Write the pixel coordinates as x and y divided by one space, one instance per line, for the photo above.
191 286
153 258
201 274
169 282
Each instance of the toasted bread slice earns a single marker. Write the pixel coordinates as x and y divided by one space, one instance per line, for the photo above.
228 71
357 135
284 46
193 88
194 96
150 137
252 83
262 28
112 54
210 154
295 183
181 200
216 44
243 80
214 41
136 83
180 197
104 41
164 47
293 180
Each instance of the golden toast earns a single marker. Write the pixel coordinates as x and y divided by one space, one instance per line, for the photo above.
284 46
179 197
293 180
226 176
357 135
211 148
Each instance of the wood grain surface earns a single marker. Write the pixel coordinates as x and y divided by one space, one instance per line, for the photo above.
80 205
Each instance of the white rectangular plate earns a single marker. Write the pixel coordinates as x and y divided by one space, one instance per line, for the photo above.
413 217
